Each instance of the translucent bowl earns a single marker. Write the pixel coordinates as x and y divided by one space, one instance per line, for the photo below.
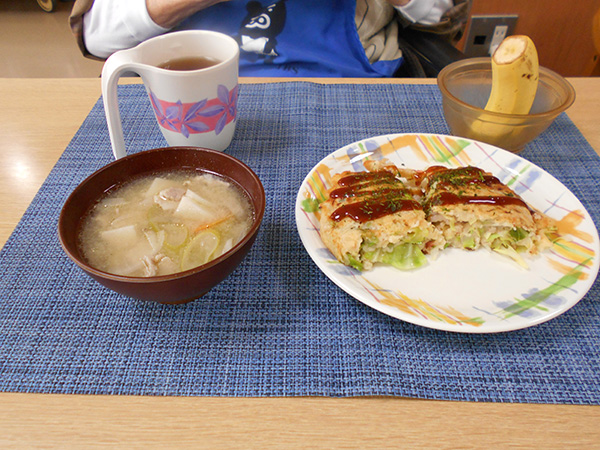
466 85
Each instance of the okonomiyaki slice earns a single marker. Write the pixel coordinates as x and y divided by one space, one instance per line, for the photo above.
375 217
474 209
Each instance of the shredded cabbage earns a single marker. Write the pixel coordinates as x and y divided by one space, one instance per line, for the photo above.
513 254
405 257
310 205
353 262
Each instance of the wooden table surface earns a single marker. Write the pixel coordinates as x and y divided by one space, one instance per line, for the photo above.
38 118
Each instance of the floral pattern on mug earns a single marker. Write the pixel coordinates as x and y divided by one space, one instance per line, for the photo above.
199 117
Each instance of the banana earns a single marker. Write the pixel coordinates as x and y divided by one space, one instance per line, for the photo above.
515 75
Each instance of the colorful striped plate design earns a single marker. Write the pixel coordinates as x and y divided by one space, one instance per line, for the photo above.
469 292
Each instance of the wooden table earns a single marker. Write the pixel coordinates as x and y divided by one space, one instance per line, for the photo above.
37 120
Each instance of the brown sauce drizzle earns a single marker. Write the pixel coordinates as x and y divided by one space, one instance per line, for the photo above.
458 176
374 209
362 177
376 194
487 180
446 179
448 198
434 169
362 190
389 198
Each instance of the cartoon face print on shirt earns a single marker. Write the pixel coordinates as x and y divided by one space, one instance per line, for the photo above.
260 28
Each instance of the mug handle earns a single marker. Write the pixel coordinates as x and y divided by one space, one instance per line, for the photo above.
114 67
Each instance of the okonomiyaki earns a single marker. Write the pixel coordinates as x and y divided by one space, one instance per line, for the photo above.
474 209
376 217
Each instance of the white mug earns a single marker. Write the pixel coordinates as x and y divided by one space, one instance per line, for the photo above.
193 107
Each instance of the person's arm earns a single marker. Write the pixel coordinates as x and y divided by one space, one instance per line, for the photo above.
425 12
168 13
112 25
445 18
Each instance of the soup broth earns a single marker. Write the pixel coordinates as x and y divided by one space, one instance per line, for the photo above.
163 224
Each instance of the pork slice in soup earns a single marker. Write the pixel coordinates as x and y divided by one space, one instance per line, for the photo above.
165 223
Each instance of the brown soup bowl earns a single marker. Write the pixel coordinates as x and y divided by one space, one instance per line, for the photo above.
181 287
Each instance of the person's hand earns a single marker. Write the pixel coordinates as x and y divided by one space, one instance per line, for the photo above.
168 13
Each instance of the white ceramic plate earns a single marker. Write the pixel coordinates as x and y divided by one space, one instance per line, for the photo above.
471 292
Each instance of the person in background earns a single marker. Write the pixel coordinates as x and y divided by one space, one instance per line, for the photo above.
309 38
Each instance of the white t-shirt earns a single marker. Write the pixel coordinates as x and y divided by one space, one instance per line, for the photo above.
113 25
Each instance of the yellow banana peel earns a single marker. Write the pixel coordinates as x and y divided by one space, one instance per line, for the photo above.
515 75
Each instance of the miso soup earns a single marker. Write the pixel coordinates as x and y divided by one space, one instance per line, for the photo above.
165 223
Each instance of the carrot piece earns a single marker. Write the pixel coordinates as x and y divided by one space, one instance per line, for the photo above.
206 226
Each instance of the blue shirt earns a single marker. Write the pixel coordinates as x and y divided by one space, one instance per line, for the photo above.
312 38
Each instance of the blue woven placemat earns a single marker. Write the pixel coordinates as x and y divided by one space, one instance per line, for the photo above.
277 326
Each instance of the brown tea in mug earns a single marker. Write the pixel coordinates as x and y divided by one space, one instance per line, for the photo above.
189 63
